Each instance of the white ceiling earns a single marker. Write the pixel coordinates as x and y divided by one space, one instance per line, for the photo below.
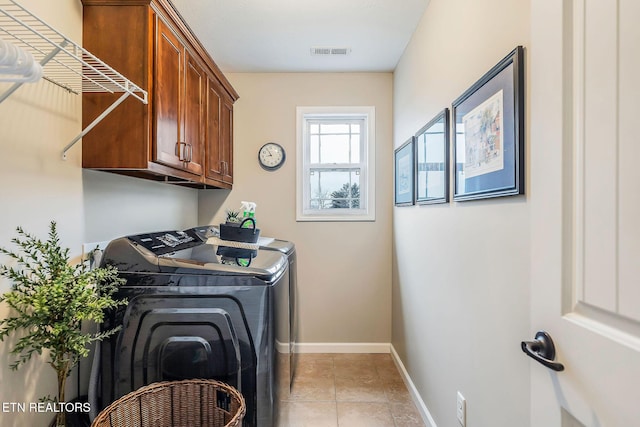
277 35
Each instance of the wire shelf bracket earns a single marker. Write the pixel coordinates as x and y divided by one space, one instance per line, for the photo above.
64 62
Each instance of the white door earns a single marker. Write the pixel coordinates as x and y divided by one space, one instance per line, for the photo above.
584 148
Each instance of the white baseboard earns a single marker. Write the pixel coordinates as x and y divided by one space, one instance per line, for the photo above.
339 347
413 391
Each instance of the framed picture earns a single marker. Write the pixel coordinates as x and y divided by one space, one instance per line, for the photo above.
488 139
404 178
432 160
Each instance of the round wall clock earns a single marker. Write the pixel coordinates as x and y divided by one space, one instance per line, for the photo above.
271 156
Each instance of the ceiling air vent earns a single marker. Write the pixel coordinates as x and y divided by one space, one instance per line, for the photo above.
330 51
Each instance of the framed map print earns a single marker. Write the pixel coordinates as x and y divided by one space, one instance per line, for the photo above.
488 137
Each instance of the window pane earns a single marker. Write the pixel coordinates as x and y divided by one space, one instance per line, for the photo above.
335 128
355 148
335 189
314 149
334 149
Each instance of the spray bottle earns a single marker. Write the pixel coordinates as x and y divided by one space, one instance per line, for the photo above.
248 211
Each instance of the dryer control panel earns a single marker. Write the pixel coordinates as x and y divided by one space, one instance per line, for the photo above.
167 241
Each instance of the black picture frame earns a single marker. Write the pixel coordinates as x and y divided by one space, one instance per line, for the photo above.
432 160
488 133
404 179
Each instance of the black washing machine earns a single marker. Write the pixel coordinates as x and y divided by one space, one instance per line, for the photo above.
197 310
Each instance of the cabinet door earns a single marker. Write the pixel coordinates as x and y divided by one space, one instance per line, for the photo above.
169 60
194 104
226 120
214 162
219 135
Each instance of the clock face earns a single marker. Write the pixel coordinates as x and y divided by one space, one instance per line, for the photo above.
271 156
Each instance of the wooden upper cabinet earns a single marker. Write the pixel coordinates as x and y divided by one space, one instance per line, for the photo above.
180 102
184 134
193 124
168 77
219 135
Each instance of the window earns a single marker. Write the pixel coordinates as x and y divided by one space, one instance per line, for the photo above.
336 164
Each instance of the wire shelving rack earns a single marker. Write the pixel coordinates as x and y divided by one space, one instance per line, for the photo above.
64 62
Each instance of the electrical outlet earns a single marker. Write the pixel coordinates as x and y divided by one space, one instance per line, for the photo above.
461 410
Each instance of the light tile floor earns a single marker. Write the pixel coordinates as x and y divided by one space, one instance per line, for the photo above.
348 390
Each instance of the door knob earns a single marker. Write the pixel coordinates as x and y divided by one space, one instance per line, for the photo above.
542 350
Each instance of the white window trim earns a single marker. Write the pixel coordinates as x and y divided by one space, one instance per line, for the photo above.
368 200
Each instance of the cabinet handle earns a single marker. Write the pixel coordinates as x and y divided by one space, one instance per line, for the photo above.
182 152
190 157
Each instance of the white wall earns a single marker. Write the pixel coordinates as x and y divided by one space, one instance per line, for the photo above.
36 186
344 271
461 270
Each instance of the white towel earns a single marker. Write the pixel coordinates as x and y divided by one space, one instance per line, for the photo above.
232 243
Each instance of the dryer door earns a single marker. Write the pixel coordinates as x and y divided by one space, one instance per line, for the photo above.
186 343
173 337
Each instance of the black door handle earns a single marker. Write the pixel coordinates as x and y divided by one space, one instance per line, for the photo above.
542 350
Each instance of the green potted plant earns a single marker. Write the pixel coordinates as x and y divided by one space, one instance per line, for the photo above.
233 217
50 298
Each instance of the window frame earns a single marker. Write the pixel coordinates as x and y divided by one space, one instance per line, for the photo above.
366 212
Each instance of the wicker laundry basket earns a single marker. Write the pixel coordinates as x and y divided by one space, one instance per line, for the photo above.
186 403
